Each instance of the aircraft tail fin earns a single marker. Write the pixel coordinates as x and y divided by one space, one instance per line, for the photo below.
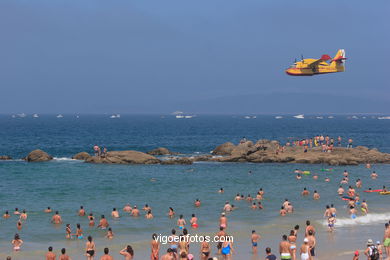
339 60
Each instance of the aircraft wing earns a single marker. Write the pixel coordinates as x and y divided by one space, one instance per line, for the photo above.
324 57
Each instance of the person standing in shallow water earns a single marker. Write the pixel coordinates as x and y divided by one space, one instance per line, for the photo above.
90 248
254 239
127 252
155 248
50 255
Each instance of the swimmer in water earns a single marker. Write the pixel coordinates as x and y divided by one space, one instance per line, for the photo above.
56 219
6 215
227 207
114 213
358 183
91 220
259 205
315 177
253 206
19 225
194 221
17 242
305 192
135 211
81 211
68 231
316 195
298 177
340 191
171 213
146 208
282 211
149 215
290 208
374 175
181 222
223 221
103 223
364 207
238 197
110 234
79 232
197 203
16 212
327 179
48 210
221 190
254 239
249 198
127 208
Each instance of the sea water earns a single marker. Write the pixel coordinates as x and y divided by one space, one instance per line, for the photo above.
65 184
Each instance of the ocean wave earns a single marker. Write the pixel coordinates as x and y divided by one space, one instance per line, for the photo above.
64 159
361 220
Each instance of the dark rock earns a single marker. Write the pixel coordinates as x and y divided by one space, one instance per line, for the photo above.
5 157
81 156
38 156
161 151
124 157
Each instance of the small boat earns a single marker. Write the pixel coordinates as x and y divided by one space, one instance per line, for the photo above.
355 117
254 117
247 117
384 117
330 117
188 116
115 116
180 116
60 116
35 116
278 117
299 116
320 117
21 115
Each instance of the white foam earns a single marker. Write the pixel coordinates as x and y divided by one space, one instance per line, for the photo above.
362 220
63 159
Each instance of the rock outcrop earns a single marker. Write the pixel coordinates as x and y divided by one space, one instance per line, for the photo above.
178 160
124 157
224 149
161 151
38 156
81 156
5 157
266 151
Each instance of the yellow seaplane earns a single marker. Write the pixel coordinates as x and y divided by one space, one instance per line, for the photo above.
310 67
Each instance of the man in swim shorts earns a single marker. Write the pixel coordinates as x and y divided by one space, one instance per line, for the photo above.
285 249
254 238
312 244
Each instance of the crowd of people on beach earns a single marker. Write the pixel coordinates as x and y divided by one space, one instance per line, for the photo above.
179 248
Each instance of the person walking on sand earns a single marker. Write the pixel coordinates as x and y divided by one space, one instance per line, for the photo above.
254 239
90 248
155 247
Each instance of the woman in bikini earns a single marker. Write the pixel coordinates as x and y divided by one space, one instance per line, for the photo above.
17 242
205 250
292 239
90 248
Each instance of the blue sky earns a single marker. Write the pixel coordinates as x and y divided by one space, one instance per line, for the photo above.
197 56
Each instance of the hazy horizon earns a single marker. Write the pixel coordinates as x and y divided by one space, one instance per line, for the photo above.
201 57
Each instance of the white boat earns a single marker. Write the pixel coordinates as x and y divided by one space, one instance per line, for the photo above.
330 117
188 116
247 117
114 116
355 117
21 115
254 117
384 117
35 116
299 116
60 116
180 116
278 117
320 117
